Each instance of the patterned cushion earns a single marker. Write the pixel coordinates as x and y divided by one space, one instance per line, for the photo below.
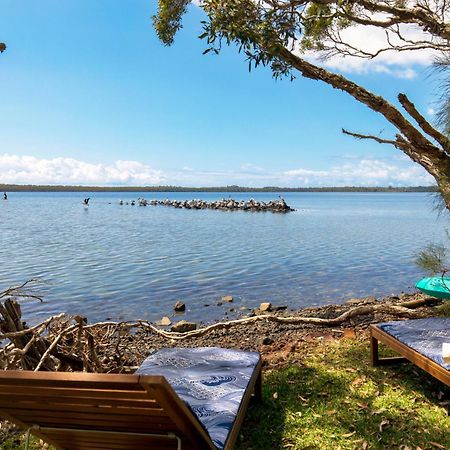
426 336
211 380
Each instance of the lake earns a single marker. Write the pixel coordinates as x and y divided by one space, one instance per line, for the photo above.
130 262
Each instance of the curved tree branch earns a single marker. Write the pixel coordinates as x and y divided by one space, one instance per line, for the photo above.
427 20
374 102
423 123
369 136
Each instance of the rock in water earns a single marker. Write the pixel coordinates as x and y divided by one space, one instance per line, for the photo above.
165 322
227 298
280 308
183 326
179 306
265 307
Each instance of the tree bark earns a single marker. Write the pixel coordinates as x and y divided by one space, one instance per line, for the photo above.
431 150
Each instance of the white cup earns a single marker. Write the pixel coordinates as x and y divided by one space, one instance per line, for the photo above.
446 352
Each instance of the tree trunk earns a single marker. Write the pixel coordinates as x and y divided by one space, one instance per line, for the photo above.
443 181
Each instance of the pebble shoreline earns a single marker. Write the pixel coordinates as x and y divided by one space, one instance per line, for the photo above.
271 338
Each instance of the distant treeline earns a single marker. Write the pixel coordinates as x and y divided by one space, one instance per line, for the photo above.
233 188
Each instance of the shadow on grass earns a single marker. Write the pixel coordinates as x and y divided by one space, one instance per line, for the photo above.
334 399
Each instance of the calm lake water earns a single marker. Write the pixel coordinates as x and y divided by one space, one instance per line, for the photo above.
129 262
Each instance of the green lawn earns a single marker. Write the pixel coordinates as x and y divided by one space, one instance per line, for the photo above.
330 398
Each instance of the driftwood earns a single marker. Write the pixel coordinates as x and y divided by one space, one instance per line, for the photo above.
68 343
356 311
28 348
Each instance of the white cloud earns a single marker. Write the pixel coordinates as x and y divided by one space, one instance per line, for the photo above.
366 172
251 168
400 64
395 171
32 170
431 111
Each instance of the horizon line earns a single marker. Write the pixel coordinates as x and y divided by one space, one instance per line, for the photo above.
228 188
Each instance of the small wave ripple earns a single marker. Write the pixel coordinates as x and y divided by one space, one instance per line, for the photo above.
125 262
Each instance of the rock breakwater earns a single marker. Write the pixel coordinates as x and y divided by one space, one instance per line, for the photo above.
276 206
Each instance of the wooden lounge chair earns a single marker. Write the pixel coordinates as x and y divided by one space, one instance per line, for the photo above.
418 341
108 411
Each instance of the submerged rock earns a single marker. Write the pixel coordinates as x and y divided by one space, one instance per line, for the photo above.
280 308
179 307
228 298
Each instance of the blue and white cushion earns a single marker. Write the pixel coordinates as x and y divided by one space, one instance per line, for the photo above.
425 336
211 380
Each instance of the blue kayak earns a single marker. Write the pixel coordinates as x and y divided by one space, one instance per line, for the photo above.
438 287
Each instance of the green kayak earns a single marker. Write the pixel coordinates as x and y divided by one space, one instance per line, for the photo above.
438 287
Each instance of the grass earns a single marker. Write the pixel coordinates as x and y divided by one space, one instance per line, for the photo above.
330 398
16 441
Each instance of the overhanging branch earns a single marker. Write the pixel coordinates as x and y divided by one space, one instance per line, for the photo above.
423 123
428 20
374 102
372 137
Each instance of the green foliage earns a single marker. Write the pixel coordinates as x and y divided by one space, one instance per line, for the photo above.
257 31
432 259
169 19
442 65
318 20
18 441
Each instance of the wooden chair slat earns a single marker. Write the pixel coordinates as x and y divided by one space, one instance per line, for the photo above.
142 409
81 411
74 393
142 444
34 394
72 416
52 378
105 425
99 402
100 441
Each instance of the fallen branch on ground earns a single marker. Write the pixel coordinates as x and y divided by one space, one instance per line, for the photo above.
397 310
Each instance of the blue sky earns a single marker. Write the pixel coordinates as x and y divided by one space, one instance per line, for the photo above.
90 96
